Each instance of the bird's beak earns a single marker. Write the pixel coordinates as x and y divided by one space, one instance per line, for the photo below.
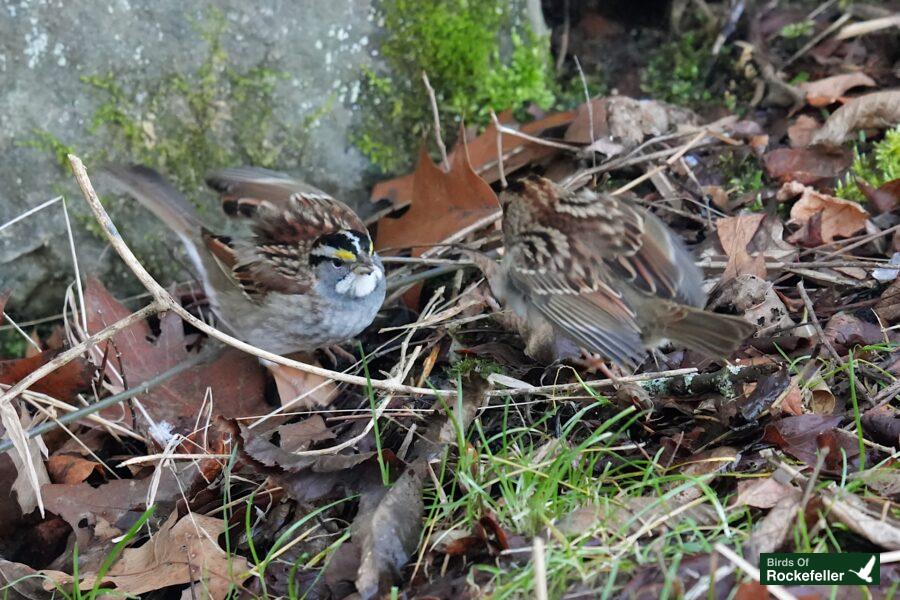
364 266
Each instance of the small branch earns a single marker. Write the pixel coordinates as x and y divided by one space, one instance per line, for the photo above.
807 302
437 121
76 351
590 107
564 39
500 169
164 301
91 409
738 561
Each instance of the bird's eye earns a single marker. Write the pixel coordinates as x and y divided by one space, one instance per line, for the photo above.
337 262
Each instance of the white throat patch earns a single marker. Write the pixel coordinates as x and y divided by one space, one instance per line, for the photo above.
359 286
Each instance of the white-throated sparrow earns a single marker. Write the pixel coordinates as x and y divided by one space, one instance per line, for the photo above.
610 277
305 277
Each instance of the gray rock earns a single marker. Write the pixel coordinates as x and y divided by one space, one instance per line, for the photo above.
46 46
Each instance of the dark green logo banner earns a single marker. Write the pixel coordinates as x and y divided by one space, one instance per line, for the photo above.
848 568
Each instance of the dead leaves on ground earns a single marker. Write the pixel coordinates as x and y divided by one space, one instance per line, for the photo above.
182 551
445 203
822 218
829 90
878 110
231 385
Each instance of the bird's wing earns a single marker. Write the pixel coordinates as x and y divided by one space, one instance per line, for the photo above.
287 218
602 232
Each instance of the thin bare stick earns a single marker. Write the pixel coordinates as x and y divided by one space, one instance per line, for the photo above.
817 39
589 105
597 384
738 561
866 27
30 212
78 285
88 412
437 121
500 170
21 331
75 351
530 138
164 301
540 568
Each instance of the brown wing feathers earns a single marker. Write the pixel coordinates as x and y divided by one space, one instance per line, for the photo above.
572 254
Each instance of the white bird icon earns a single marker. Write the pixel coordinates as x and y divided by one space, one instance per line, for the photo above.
866 572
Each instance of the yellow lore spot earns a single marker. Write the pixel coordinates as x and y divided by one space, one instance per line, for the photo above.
345 255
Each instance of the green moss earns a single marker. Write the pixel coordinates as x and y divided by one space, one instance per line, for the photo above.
458 44
676 73
191 122
880 165
685 72
49 143
188 122
742 175
474 364
800 29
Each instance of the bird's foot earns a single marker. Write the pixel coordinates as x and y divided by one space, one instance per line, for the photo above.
594 363
334 351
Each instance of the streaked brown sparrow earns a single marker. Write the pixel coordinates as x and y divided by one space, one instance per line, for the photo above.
586 267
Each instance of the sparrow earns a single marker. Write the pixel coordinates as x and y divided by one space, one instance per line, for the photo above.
586 269
304 275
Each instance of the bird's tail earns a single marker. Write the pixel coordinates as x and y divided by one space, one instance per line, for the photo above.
706 332
157 195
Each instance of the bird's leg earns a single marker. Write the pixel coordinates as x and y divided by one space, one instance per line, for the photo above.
333 351
594 363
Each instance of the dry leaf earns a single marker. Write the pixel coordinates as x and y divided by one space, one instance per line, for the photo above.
840 218
482 153
179 553
628 120
735 233
851 511
806 165
821 401
302 390
103 512
235 380
798 435
846 331
791 401
884 480
757 300
772 531
27 457
883 424
67 468
829 90
386 530
299 436
878 110
445 203
63 383
764 493
801 131
885 198
888 307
